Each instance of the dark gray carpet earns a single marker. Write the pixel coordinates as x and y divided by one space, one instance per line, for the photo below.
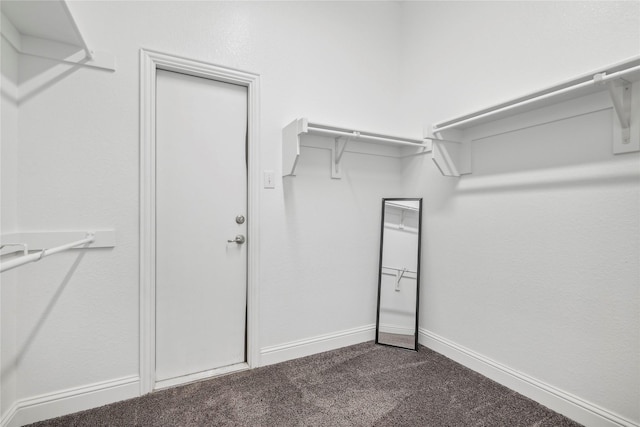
361 385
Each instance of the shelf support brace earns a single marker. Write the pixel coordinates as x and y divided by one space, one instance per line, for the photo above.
336 156
626 135
24 246
451 156
621 103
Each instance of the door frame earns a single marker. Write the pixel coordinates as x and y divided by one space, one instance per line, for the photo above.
150 61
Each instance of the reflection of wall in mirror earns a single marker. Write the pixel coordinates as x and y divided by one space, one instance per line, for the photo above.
400 249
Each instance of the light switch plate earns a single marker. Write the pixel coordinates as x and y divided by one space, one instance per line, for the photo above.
269 179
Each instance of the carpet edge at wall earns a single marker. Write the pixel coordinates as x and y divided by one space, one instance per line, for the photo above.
37 408
558 400
50 405
317 344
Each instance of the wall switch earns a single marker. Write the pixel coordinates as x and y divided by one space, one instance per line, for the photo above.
269 179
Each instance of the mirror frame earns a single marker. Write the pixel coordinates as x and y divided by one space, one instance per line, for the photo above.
384 201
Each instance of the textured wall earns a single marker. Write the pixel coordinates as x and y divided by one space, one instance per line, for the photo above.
78 168
8 223
544 266
533 260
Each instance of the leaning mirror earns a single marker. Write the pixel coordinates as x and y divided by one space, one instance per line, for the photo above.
399 274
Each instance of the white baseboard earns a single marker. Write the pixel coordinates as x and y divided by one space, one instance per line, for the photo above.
51 405
318 344
558 400
8 416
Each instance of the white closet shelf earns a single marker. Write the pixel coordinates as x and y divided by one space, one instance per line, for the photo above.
292 133
451 150
48 29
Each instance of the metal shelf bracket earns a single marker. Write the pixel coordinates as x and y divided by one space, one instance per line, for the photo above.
337 150
451 156
626 137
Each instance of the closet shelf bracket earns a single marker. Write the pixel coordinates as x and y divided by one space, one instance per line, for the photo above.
451 155
621 99
620 92
336 156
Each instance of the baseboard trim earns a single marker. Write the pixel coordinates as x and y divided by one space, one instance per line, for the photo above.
7 418
318 344
558 400
51 405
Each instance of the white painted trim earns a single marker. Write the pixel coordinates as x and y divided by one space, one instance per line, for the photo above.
318 344
199 376
149 62
147 222
51 405
7 418
558 400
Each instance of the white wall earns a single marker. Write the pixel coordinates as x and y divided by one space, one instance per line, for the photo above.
387 67
8 222
531 262
77 315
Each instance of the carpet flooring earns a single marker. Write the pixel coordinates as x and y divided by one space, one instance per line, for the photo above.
360 385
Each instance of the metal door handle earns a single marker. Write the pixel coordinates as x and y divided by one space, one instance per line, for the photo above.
239 239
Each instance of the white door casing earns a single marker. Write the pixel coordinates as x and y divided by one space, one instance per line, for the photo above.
151 61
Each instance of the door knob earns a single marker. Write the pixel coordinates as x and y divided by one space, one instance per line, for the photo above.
239 239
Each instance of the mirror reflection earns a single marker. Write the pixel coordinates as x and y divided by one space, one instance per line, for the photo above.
399 274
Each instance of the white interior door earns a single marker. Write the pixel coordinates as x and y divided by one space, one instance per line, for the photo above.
201 188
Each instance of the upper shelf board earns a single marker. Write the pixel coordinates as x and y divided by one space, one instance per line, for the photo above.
451 138
555 94
292 133
43 19
48 29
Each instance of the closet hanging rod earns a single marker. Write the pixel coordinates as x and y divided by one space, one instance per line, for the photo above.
400 269
90 237
403 207
364 136
597 79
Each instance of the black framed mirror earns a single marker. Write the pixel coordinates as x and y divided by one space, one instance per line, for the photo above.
399 273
